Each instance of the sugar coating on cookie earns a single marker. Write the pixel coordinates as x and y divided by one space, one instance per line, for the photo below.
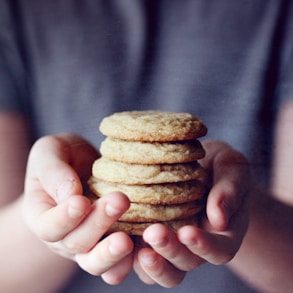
119 172
152 126
138 152
164 193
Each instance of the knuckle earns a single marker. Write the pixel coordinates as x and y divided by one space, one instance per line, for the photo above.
42 143
47 142
75 246
47 235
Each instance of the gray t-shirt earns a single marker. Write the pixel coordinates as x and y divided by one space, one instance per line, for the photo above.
67 64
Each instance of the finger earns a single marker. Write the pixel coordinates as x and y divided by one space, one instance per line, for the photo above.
105 212
82 154
214 248
158 269
49 169
57 163
143 276
106 254
231 181
223 201
117 274
52 223
166 243
51 180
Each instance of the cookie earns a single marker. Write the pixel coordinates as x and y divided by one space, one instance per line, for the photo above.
164 193
137 152
155 213
119 172
152 157
138 228
152 126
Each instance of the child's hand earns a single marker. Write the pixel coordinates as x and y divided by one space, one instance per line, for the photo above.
60 215
171 255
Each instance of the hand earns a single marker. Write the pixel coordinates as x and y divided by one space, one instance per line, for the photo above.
167 256
59 214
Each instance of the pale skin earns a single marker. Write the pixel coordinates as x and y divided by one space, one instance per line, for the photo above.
60 218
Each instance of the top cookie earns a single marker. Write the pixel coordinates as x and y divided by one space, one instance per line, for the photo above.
152 126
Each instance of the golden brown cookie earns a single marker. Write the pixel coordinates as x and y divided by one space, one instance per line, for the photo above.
137 152
151 156
138 228
164 193
152 126
139 212
125 173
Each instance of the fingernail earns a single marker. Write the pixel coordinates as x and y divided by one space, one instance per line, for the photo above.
111 211
64 190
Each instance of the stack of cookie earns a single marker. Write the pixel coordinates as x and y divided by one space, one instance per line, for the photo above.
151 156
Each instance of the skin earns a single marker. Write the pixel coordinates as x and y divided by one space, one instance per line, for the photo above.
26 258
265 258
56 216
222 231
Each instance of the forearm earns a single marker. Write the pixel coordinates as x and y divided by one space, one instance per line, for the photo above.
265 259
26 262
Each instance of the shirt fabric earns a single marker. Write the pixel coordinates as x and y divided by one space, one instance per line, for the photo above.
67 64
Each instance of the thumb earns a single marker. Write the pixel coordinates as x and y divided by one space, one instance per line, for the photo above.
55 164
230 183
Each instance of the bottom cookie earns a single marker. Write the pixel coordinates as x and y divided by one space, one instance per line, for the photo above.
137 229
